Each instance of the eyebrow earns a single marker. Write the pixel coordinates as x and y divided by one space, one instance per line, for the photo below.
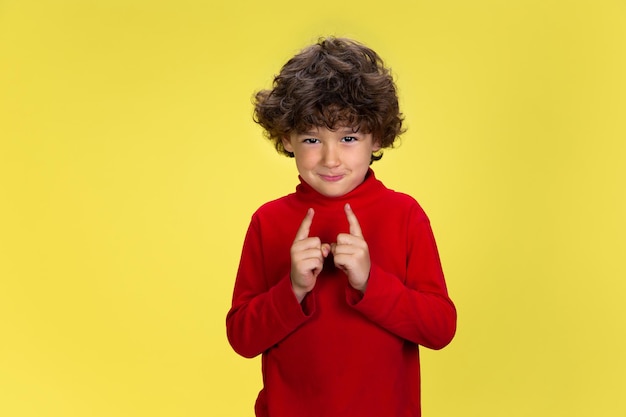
346 129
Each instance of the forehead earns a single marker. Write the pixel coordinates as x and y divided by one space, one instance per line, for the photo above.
343 129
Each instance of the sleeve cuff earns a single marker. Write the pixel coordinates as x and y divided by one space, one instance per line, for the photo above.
290 312
379 289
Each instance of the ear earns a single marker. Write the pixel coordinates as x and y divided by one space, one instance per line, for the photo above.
376 146
287 143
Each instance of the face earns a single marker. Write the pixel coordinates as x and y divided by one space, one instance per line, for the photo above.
333 162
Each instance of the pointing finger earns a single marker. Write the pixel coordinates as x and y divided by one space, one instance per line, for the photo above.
355 227
303 230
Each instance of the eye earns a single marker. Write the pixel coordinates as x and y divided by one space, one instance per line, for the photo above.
349 139
310 140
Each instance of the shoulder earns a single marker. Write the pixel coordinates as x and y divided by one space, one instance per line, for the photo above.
273 206
396 201
276 222
281 208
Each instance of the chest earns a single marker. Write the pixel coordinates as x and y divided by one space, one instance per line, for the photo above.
386 236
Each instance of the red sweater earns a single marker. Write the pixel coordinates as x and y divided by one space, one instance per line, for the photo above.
340 353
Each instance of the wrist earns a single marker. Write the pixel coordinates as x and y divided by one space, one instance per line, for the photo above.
360 285
299 292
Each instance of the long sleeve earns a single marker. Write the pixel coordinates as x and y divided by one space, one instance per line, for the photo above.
262 314
416 308
341 352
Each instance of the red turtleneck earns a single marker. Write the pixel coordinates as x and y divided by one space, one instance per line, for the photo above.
340 353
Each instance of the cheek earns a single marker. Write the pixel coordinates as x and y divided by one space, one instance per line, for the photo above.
306 159
362 158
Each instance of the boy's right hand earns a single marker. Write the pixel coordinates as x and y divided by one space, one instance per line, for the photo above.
307 258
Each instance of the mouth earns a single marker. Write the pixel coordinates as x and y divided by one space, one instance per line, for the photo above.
331 178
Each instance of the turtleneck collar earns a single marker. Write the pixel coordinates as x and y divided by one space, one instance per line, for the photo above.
365 193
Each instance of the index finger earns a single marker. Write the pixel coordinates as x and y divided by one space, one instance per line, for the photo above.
355 227
303 230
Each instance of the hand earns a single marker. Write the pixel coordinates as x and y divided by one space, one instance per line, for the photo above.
307 258
351 253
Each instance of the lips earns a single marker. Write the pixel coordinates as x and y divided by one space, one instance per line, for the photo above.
331 178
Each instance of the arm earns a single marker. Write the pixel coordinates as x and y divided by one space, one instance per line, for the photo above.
418 309
261 314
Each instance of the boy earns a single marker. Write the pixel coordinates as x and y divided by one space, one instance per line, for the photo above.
340 281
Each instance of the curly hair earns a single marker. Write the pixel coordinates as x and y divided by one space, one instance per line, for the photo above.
335 82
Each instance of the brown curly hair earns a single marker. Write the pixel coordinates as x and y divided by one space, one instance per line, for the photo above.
333 83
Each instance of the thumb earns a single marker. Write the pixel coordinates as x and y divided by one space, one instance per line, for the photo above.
325 249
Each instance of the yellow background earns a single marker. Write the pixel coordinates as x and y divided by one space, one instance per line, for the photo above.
130 166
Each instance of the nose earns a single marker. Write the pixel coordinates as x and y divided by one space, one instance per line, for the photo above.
330 156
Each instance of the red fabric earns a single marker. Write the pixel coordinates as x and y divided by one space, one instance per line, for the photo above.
340 353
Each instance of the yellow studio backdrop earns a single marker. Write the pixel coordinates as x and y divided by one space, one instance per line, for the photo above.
130 167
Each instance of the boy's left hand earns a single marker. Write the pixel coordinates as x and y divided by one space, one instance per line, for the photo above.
351 253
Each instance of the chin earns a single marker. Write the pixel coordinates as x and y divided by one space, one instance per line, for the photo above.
334 192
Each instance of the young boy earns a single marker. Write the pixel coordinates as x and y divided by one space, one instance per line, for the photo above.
340 281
